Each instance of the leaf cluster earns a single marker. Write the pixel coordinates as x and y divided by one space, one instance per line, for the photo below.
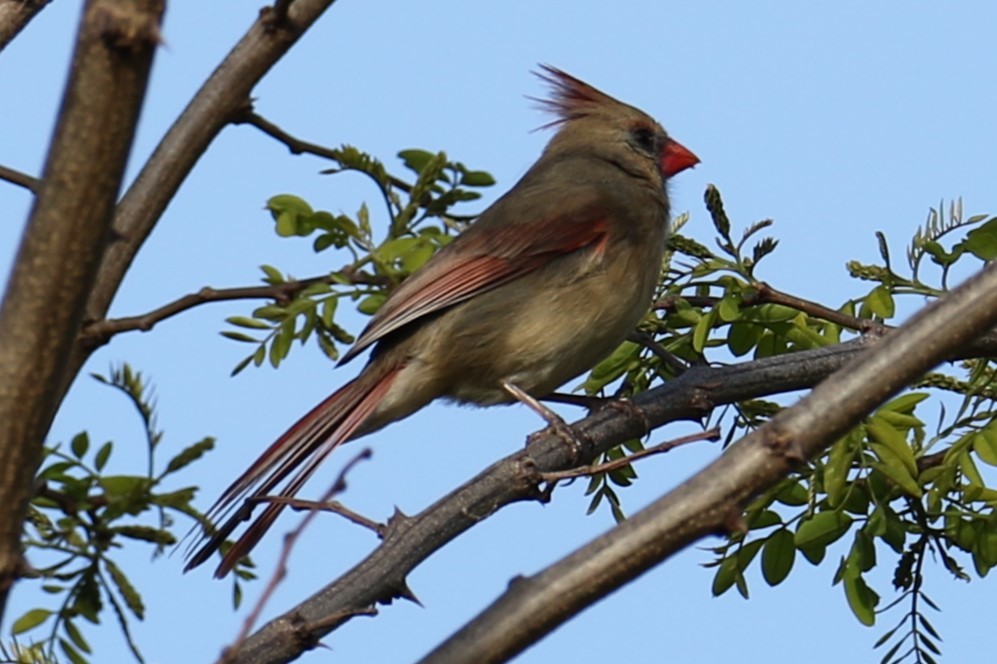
420 220
83 515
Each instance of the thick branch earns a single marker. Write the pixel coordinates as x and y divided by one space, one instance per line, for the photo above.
218 101
14 15
410 540
65 237
716 496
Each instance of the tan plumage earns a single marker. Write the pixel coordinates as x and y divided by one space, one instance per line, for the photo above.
546 283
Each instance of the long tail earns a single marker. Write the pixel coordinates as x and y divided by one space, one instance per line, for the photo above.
308 442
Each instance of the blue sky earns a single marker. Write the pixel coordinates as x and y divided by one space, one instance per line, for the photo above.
834 119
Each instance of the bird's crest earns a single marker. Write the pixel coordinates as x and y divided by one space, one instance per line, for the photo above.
570 98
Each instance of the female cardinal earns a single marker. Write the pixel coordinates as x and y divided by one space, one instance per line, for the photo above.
546 283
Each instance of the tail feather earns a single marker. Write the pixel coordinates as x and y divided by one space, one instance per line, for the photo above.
308 442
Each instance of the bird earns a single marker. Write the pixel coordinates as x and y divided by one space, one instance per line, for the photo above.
544 284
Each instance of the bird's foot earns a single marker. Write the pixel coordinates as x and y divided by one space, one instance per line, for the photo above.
594 404
554 421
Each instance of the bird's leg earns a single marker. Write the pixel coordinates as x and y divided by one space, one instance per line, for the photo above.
555 421
594 404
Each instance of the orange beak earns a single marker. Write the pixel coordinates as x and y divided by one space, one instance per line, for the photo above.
675 158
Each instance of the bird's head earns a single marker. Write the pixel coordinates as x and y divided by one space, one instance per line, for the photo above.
588 119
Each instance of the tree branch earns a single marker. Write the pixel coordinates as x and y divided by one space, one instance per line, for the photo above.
17 177
67 231
214 105
280 572
100 332
14 15
667 446
298 146
410 540
766 294
716 496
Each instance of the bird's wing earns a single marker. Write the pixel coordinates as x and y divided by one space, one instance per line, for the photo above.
480 261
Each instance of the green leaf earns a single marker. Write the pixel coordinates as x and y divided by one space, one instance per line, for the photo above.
69 651
477 179
778 555
103 454
128 592
792 493
861 599
29 620
880 302
726 575
416 160
329 310
370 304
702 332
839 463
982 241
899 475
75 636
80 444
273 275
729 308
239 336
251 323
863 553
742 337
970 470
189 455
894 441
985 446
905 403
822 529
774 313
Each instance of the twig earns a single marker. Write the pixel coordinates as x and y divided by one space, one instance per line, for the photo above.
100 332
334 506
298 146
19 178
765 294
666 356
667 446
668 302
281 570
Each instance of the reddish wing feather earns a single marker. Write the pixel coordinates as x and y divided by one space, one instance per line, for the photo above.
485 261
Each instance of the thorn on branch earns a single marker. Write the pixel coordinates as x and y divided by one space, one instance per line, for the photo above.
275 17
402 591
330 621
734 523
785 445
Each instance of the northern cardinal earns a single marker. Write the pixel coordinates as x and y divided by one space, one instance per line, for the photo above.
546 283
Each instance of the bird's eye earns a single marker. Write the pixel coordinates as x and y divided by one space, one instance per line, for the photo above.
643 137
